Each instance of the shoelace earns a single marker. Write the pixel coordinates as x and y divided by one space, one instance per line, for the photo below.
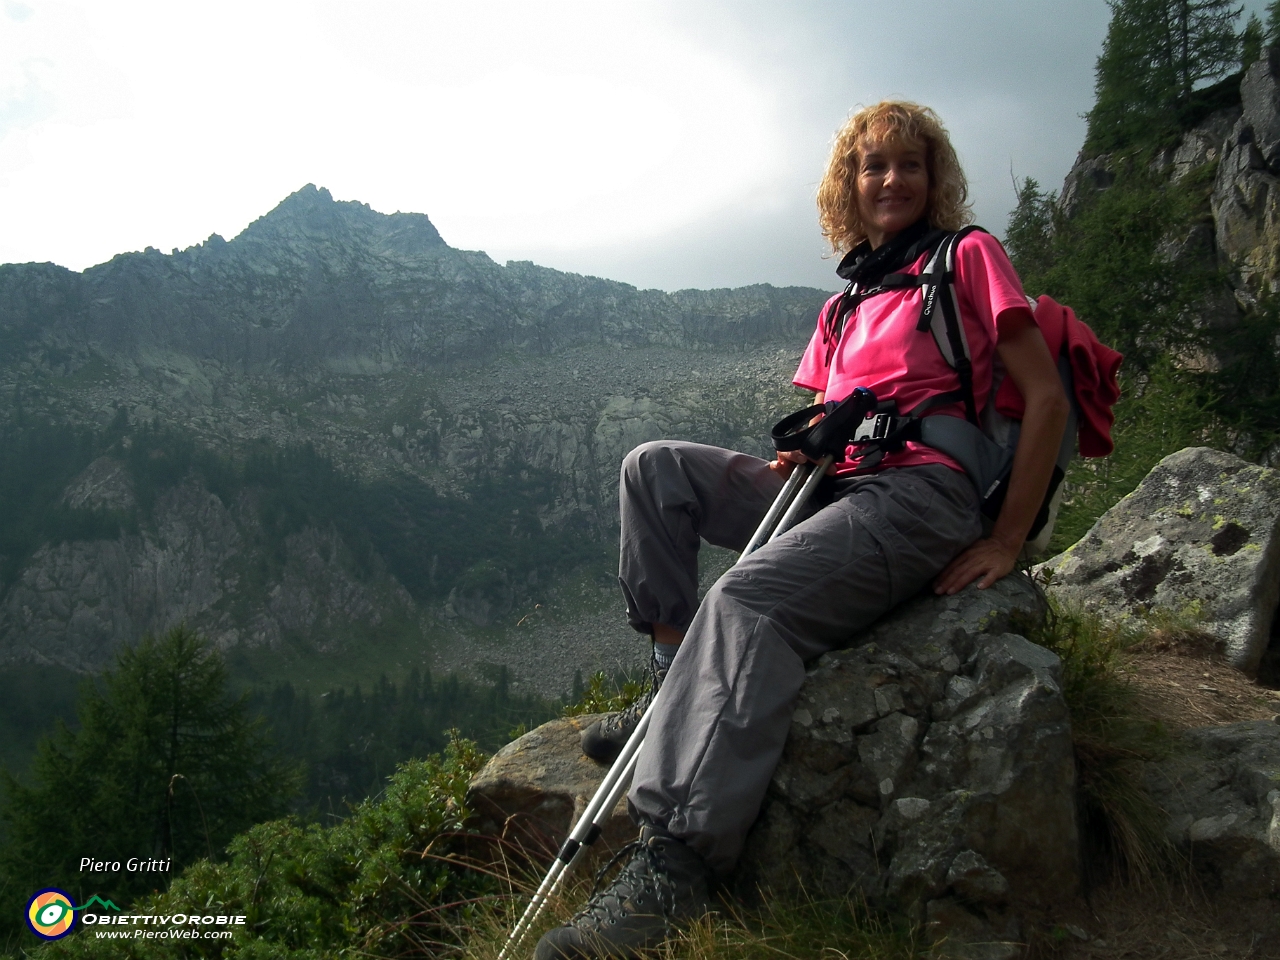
596 907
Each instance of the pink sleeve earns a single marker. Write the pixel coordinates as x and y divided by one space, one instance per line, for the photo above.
813 369
986 281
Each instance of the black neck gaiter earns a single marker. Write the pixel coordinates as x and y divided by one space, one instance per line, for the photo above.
867 267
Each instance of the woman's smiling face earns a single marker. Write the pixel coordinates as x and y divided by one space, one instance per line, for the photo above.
893 188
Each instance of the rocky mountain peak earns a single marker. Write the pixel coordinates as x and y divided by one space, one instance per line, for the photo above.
310 218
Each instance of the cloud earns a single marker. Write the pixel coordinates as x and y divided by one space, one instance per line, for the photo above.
561 125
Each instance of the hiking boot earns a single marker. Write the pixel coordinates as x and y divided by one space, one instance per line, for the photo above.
605 738
665 884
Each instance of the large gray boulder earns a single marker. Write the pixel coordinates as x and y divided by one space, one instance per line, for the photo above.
533 790
1221 790
1202 529
929 767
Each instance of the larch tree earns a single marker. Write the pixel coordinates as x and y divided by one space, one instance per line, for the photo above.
1252 40
1156 53
166 766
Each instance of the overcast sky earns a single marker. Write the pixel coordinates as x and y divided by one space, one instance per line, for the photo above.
666 144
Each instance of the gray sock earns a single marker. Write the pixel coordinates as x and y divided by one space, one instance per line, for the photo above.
664 653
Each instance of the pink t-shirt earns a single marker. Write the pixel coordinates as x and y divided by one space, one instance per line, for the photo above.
881 349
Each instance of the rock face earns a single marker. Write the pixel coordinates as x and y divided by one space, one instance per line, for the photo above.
1084 178
76 602
1202 144
1203 528
929 765
1239 145
1245 204
1222 793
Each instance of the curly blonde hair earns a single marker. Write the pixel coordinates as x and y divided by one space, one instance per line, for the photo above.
947 207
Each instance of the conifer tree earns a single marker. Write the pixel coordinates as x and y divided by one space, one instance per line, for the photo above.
1155 54
1273 22
1251 42
1029 236
165 766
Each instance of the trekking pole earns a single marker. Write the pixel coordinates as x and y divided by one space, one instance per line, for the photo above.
813 477
590 825
776 509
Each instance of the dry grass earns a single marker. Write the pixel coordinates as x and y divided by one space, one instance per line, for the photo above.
778 930
1174 923
1168 674
1181 679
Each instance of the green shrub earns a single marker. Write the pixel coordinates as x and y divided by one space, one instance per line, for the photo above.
392 880
165 764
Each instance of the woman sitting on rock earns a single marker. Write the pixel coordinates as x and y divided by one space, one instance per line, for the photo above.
731 668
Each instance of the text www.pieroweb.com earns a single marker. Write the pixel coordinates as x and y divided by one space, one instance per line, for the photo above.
180 926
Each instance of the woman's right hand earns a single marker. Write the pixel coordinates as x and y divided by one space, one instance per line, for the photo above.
786 462
787 459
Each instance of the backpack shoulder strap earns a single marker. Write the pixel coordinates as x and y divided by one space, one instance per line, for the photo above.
940 314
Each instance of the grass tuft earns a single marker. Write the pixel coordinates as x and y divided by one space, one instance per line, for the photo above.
1124 836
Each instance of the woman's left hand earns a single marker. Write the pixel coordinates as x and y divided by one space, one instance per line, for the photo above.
988 559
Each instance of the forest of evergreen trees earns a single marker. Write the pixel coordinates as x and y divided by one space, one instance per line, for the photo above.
163 759
345 736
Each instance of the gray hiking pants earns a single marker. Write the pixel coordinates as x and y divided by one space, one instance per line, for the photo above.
719 728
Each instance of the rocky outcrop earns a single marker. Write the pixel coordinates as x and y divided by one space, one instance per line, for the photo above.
1221 790
1197 245
76 602
1086 177
194 561
1201 531
1203 144
1245 201
929 765
533 790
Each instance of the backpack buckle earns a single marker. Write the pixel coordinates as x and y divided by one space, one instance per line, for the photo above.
875 427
